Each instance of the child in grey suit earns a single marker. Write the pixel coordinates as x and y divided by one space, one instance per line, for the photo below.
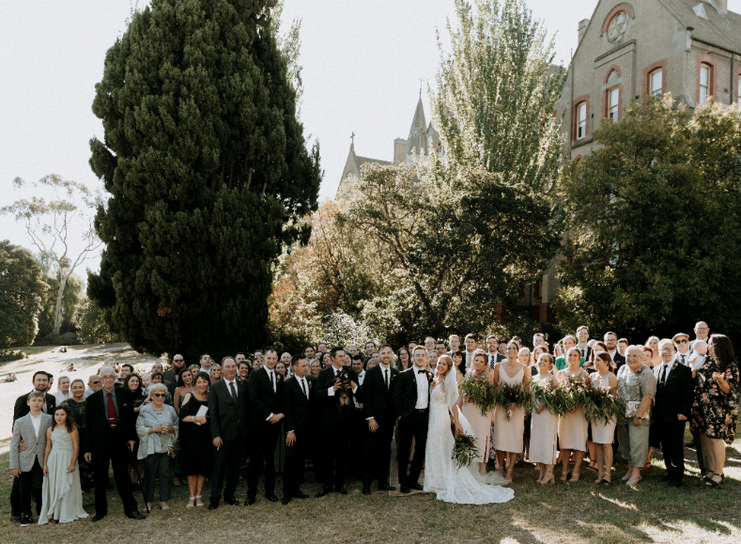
27 465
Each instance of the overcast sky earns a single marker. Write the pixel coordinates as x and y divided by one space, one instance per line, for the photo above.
363 61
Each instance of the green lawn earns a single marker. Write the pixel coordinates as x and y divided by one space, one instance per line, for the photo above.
562 512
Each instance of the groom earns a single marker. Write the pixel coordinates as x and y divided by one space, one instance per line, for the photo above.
412 406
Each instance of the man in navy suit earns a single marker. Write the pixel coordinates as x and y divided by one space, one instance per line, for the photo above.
266 396
378 407
297 395
412 407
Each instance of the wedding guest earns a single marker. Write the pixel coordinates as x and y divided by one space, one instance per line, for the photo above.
133 384
481 424
509 431
326 359
455 344
622 345
544 424
567 342
244 371
62 393
582 335
701 334
228 408
672 409
636 390
535 357
440 348
309 353
280 368
157 427
316 368
611 341
157 378
378 404
653 343
573 426
109 440
470 341
27 466
411 407
170 376
266 398
184 386
206 363
402 359
715 409
558 349
61 493
297 393
196 454
493 355
215 372
40 380
458 363
146 381
603 432
76 404
336 399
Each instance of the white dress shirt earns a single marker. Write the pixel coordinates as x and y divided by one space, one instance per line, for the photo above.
423 389
686 356
469 359
664 367
36 423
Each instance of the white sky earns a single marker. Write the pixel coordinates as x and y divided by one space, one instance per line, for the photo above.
362 59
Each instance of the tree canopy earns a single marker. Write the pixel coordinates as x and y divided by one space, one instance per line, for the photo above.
22 288
655 216
208 174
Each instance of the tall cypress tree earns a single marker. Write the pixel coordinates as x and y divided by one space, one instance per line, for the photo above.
207 170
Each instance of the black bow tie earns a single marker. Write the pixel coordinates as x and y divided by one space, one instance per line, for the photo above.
421 372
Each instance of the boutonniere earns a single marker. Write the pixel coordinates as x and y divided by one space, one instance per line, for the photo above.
311 385
278 377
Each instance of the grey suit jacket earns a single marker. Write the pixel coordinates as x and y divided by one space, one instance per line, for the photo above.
23 430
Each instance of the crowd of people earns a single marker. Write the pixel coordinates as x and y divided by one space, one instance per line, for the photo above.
340 413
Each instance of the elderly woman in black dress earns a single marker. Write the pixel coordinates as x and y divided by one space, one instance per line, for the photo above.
195 439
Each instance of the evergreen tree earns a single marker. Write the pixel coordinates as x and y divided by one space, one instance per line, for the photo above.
208 173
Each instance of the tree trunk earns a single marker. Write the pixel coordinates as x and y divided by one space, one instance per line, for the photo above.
58 309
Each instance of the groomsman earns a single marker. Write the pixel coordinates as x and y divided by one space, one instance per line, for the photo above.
378 401
228 405
297 393
412 407
611 340
337 387
266 398
455 344
492 344
470 342
673 403
582 334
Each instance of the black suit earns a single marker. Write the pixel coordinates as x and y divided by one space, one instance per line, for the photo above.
336 419
586 353
619 361
265 401
378 403
228 419
296 408
673 397
20 409
412 424
107 446
493 359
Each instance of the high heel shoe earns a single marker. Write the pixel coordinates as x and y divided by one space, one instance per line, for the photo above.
606 479
199 502
600 474
191 502
634 481
508 477
547 479
564 475
574 477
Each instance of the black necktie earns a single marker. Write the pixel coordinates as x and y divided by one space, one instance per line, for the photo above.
234 391
420 372
386 377
272 381
682 359
663 375
303 386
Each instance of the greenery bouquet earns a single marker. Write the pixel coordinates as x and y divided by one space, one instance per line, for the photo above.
480 393
507 395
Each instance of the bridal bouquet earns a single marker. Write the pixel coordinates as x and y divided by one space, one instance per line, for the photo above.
507 395
464 450
480 393
600 405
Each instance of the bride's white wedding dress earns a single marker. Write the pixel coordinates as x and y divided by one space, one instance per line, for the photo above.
460 486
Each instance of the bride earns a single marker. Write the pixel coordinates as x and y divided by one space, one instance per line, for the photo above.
441 475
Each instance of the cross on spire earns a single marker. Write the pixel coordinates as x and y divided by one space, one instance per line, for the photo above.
421 81
352 138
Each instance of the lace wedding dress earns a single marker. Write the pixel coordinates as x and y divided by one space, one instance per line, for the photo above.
460 486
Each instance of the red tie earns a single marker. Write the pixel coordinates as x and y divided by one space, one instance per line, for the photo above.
111 411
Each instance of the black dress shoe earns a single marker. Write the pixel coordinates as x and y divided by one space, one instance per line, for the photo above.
286 500
675 483
405 489
271 497
386 487
15 519
250 500
213 504
325 490
341 490
231 500
135 515
300 495
98 517
416 486
366 490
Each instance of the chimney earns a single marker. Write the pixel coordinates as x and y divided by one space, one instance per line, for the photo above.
582 28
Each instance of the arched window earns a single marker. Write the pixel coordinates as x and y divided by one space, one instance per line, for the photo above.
613 104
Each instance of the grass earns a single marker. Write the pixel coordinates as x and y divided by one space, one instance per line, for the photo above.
563 512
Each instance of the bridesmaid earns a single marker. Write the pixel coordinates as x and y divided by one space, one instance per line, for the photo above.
525 356
544 426
480 424
572 427
603 433
508 435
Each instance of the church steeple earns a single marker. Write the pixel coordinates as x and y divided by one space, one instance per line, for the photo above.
417 139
